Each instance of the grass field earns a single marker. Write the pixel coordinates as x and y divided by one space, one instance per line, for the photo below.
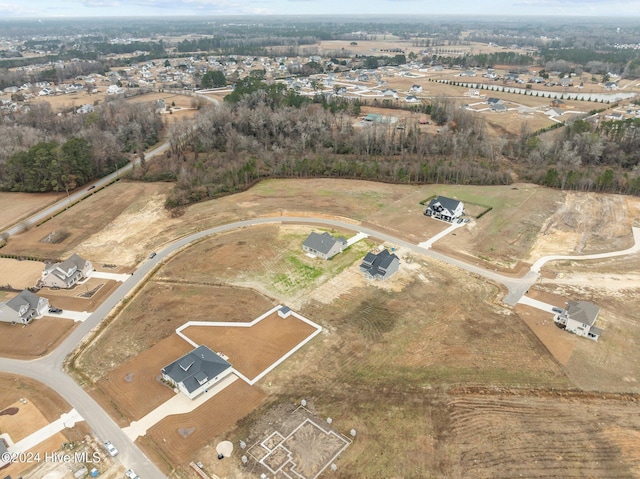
14 207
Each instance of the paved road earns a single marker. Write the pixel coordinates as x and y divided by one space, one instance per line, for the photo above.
48 369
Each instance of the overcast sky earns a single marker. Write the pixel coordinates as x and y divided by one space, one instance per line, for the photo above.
83 8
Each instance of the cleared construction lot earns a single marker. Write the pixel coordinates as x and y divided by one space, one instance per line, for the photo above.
425 366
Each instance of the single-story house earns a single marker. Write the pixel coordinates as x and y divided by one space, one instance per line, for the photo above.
196 371
324 245
67 273
416 89
380 266
579 318
412 99
494 101
23 308
445 209
498 107
610 85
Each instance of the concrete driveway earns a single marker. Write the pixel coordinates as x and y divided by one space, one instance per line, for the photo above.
76 316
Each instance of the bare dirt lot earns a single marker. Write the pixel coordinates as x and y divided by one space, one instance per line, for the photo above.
252 350
119 391
35 339
31 407
75 299
393 362
137 203
179 439
158 309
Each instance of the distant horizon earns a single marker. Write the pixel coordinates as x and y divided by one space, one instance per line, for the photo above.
68 9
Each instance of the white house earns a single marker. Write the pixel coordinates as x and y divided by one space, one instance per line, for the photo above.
579 318
23 308
66 274
195 372
114 90
445 209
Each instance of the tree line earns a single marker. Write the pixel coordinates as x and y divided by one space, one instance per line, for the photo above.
256 136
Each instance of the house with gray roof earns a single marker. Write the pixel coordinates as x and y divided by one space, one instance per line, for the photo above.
23 308
445 209
66 274
380 266
324 245
196 371
579 318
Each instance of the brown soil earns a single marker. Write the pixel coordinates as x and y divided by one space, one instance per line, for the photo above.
73 299
157 311
113 210
252 350
119 390
38 407
210 423
36 339
557 341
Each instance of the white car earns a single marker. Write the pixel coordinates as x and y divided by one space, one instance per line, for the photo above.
111 449
130 474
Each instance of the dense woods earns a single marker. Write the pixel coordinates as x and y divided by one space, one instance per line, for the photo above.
229 148
40 151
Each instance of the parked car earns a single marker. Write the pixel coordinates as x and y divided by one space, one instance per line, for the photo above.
111 449
557 310
130 474
55 310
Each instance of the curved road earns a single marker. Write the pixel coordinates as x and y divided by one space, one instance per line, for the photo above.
49 369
